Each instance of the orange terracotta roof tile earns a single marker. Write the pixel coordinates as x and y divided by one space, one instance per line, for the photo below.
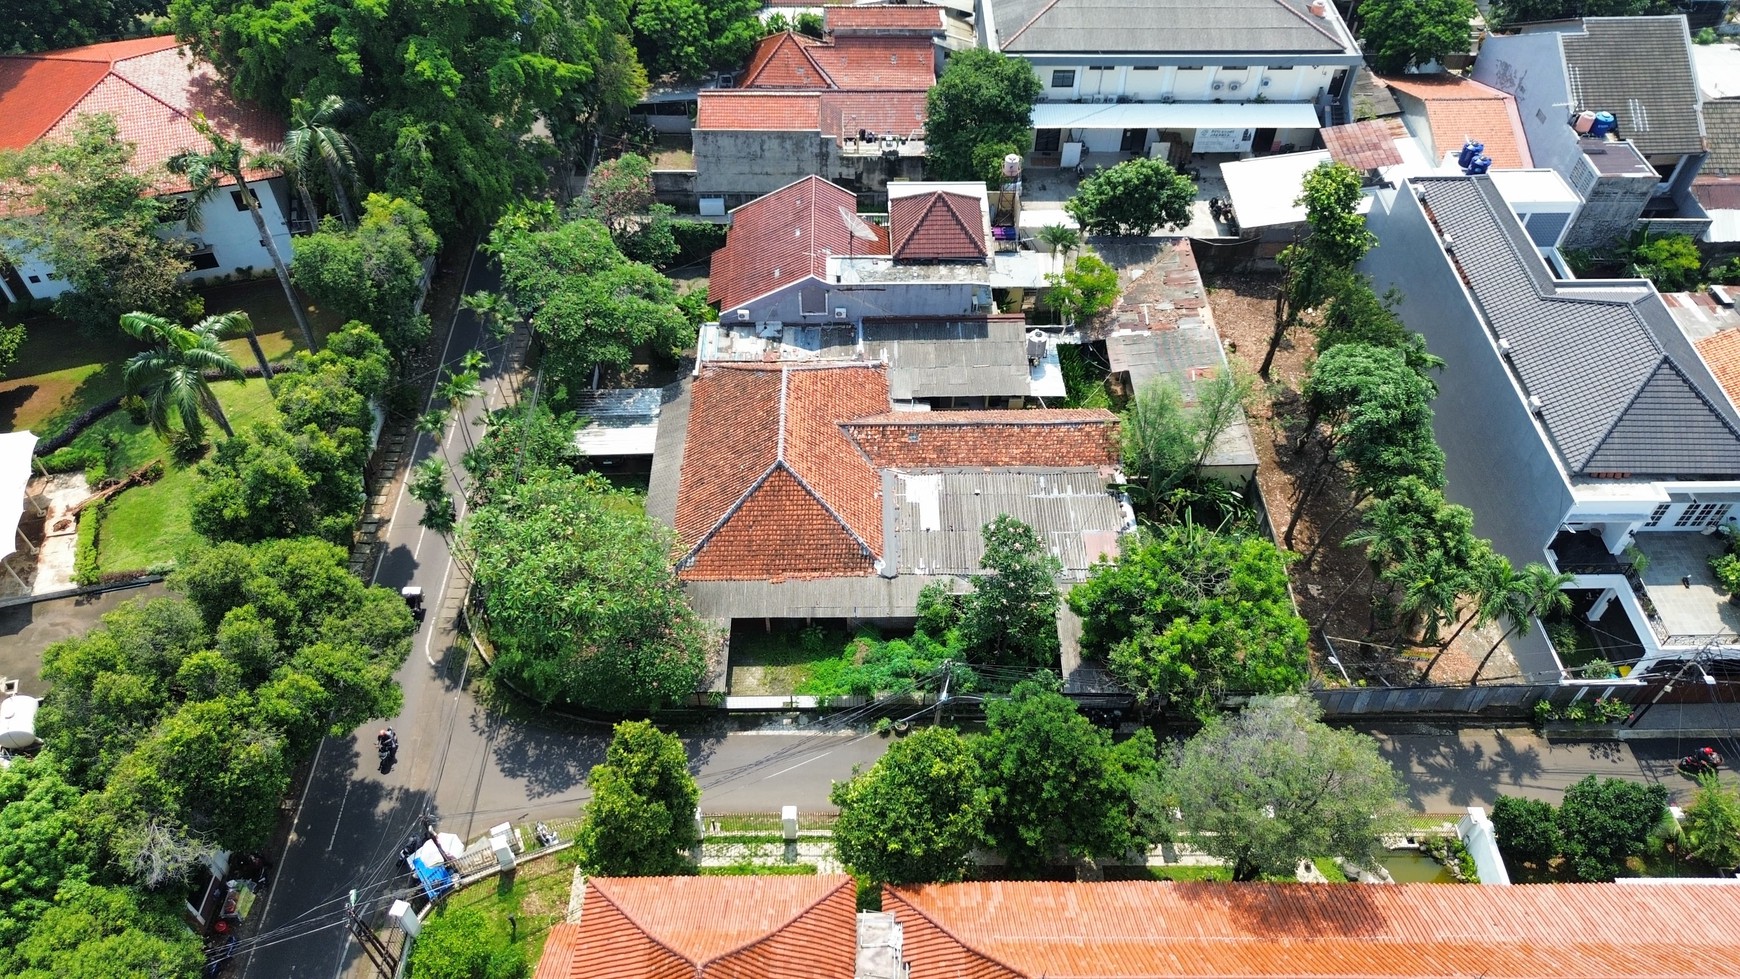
1134 930
783 61
725 927
151 89
1364 145
887 113
770 486
1721 353
1058 437
1460 108
872 19
746 111
939 226
787 236
877 63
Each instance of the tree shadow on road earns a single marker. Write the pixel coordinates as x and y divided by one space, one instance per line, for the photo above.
1464 774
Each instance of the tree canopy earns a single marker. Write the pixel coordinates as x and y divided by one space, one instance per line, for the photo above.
1316 267
582 604
1525 829
688 37
1186 614
1712 824
917 814
1133 198
1272 785
1604 821
1403 34
448 89
1058 786
49 25
1083 290
372 273
459 943
76 205
1507 12
1011 615
982 97
640 821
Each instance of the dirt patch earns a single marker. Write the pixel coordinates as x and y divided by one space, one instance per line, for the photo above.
1335 590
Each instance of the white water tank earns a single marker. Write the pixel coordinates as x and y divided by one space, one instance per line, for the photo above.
18 722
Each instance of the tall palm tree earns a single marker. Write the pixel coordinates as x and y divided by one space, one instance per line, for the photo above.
1491 581
237 323
206 173
171 375
458 389
1061 238
314 138
1535 591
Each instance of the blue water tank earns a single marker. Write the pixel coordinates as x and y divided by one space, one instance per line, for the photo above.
1470 150
1478 165
1604 124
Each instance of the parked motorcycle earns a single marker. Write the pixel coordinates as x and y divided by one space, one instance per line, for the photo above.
1705 761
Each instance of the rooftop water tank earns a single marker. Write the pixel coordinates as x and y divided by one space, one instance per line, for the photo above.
18 722
1582 122
1470 150
1478 165
1012 166
1604 124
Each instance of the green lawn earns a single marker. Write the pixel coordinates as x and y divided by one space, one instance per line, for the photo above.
61 370
151 525
536 894
786 660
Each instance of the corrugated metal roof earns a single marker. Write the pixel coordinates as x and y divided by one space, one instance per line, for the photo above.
1168 26
1620 387
937 358
939 516
1110 930
623 422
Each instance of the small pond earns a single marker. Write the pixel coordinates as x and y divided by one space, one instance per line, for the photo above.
1414 867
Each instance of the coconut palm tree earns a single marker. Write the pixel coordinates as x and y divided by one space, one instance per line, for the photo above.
1062 238
315 140
206 173
237 323
1491 578
458 388
1535 591
171 375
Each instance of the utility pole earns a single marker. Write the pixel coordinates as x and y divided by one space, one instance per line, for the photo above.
943 698
382 957
429 830
1695 660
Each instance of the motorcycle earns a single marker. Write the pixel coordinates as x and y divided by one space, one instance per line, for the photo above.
1703 762
387 744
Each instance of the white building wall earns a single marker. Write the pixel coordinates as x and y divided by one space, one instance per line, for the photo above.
1154 82
795 303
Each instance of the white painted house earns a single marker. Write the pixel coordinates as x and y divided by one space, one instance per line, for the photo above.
1174 77
153 91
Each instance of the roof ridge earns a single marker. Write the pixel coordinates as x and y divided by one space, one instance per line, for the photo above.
731 511
1004 43
73 106
829 509
939 926
775 932
784 389
604 892
1308 20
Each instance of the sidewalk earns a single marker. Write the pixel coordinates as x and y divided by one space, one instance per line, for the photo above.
1715 720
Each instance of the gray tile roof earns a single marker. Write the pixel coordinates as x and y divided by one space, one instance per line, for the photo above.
1620 387
1639 69
1167 27
1722 126
937 358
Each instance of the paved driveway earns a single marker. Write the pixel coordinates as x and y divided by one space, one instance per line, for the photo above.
26 630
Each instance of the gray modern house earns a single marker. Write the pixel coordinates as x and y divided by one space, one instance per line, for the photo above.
1640 70
1579 423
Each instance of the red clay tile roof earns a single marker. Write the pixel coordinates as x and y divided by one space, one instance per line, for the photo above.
1365 145
887 113
786 237
865 64
1133 929
770 486
938 226
151 89
783 61
1066 437
865 19
1721 353
725 927
736 109
1717 192
1460 108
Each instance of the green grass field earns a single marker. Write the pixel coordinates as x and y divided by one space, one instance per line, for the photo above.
536 894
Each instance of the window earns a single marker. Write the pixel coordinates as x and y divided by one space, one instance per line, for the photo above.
1659 512
1702 515
1063 78
1102 68
242 205
1146 68
204 260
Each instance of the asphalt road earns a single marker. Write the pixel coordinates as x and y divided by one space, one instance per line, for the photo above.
467 768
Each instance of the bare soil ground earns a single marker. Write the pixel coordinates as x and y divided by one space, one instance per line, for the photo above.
1336 591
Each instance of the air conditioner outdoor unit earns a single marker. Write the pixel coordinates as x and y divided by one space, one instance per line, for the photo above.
1217 86
839 312
743 316
1232 86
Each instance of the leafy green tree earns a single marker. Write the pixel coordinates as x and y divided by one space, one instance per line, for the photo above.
688 37
42 844
106 933
1604 821
1425 548
374 272
1338 240
653 241
225 163
1061 239
1084 290
591 305
1712 824
1011 615
983 97
988 162
1158 436
917 814
640 821
1187 614
331 390
1403 34
170 376
1133 198
1508 12
11 338
1357 314
449 90
315 141
1672 262
1526 829
582 604
517 442
269 483
1057 785
78 205
1273 785
458 943
616 191
49 25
